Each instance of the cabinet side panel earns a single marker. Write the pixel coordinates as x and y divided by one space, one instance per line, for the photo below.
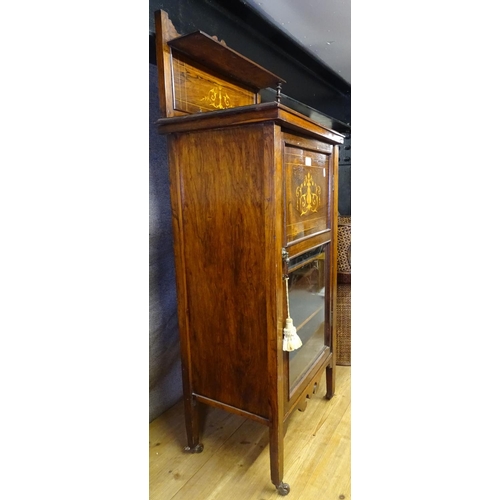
222 182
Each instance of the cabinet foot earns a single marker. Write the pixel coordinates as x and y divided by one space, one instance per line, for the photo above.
283 488
195 449
330 381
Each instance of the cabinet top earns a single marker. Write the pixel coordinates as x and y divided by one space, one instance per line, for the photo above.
286 117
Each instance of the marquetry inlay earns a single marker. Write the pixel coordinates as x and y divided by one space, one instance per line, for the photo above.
308 195
217 98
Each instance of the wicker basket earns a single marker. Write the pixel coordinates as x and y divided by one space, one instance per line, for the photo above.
344 324
344 246
343 327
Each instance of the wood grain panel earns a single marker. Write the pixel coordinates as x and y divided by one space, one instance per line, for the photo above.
223 221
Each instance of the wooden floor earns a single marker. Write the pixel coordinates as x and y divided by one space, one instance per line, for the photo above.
235 461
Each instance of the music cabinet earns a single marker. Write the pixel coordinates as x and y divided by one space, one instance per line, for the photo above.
254 211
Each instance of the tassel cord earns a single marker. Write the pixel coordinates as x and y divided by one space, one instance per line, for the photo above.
287 297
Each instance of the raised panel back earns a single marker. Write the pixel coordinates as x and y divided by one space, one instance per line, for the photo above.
198 73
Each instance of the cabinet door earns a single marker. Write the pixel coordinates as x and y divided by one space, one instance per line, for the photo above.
308 186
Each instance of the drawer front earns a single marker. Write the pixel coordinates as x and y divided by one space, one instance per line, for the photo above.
308 189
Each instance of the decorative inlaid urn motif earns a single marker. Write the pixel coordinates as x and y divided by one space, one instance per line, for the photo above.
217 98
308 195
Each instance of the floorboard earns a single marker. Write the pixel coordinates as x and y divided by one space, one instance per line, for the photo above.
235 460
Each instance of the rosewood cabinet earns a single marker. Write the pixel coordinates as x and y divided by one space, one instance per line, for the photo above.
254 201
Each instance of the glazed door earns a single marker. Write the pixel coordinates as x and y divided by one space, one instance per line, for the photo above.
308 186
308 291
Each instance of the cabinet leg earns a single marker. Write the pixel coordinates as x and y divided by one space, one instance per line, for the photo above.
276 433
330 381
192 416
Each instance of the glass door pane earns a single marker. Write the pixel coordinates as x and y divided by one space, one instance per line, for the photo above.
306 286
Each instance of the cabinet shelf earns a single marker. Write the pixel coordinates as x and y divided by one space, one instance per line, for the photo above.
215 55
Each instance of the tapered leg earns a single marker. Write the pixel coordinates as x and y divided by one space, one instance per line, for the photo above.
330 381
276 433
192 416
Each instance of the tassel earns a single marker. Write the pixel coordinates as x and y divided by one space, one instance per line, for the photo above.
291 340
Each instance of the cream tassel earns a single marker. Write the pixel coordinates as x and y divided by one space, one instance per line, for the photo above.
291 340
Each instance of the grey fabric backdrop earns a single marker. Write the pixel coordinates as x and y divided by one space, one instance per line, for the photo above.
165 384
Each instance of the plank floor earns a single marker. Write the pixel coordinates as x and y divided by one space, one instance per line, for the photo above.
235 460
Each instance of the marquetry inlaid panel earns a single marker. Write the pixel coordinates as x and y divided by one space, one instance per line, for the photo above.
307 174
196 90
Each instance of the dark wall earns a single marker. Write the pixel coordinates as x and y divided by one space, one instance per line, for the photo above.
345 176
165 385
